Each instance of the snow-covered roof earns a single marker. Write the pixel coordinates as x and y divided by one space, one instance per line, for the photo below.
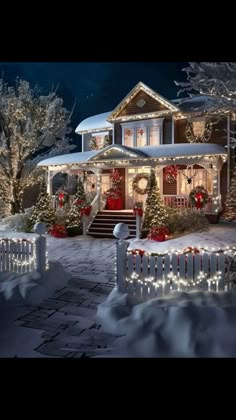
68 158
96 123
199 103
182 149
162 151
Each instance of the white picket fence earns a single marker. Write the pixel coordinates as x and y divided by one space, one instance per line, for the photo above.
150 276
23 255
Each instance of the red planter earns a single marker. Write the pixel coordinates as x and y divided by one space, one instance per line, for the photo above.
114 203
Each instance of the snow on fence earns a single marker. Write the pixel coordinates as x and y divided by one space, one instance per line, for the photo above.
150 276
24 255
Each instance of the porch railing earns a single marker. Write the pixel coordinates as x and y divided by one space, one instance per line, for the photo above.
181 201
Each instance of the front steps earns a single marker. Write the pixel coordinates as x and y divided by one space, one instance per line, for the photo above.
105 221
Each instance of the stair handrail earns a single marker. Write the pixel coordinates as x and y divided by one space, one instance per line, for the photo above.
95 209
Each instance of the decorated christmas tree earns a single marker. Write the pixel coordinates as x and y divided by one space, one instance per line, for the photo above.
80 193
43 212
73 221
230 203
155 213
114 191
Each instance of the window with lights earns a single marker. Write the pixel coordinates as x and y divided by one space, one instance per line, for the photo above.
197 177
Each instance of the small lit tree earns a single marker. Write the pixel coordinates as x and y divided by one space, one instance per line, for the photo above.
73 221
43 212
155 212
230 203
80 193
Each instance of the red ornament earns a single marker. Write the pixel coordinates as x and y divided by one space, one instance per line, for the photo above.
140 252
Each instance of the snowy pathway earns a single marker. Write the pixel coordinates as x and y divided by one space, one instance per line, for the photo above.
64 325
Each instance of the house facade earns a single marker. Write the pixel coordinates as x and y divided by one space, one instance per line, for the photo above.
185 141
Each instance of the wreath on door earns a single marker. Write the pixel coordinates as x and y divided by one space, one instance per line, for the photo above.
136 182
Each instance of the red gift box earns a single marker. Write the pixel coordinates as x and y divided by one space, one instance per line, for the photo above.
58 231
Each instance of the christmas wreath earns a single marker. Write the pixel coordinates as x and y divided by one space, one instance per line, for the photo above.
194 135
136 181
198 197
170 173
62 198
93 143
106 141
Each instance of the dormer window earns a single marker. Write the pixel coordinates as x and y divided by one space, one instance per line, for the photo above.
142 133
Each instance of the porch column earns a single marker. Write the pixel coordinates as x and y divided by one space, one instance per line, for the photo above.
216 197
99 182
49 176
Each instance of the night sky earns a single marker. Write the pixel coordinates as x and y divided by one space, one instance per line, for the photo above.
96 87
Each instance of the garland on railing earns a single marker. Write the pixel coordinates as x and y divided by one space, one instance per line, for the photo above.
178 252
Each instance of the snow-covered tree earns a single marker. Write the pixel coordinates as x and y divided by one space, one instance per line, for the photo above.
230 203
43 212
155 212
217 81
32 127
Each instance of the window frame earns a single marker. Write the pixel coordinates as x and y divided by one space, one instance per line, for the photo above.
144 124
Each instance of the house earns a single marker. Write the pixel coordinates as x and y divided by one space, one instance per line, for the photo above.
147 131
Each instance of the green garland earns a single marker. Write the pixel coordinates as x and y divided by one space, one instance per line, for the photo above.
190 136
137 178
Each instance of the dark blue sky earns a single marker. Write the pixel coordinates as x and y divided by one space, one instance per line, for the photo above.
96 87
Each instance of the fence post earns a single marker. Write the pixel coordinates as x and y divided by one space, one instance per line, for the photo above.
121 231
40 247
84 224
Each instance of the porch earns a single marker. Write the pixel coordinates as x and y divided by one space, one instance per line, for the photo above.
198 164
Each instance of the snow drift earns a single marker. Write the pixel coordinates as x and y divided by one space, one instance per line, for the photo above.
34 287
194 324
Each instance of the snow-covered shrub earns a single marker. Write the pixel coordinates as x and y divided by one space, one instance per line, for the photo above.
19 222
32 288
186 220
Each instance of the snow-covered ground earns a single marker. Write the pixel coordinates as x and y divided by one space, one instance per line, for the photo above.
194 324
218 236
